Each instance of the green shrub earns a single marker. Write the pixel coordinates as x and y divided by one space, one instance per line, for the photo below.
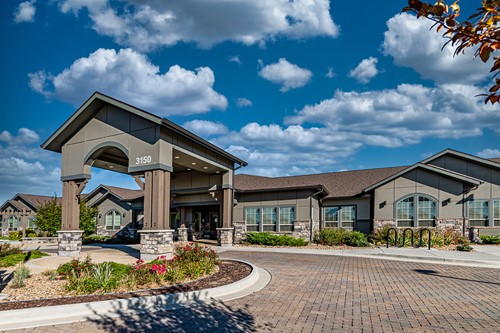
20 274
95 239
339 236
75 267
378 237
330 236
15 235
490 239
266 238
355 238
464 247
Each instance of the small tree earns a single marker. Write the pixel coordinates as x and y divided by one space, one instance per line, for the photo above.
48 217
88 218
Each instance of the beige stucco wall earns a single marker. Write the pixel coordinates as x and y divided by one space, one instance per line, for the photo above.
111 203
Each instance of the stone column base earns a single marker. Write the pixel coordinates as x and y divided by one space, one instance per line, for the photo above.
155 243
225 237
69 243
182 234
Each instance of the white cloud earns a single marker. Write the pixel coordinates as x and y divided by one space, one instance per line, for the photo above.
489 153
236 59
412 43
130 76
402 116
365 71
330 73
288 75
25 12
243 102
148 24
205 128
25 167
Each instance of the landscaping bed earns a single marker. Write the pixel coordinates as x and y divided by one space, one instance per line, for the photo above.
228 272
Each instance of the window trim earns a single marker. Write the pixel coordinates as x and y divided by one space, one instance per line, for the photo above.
493 217
114 227
9 223
260 215
339 221
415 221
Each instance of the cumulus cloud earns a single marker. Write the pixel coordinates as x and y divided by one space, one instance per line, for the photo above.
365 71
22 158
25 12
243 102
412 43
402 116
489 153
130 76
288 75
205 127
148 24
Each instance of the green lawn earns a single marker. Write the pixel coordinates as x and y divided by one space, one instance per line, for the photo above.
13 259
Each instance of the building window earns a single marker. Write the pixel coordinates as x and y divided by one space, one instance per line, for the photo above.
252 218
478 213
339 217
287 216
416 211
31 223
266 218
496 213
113 220
13 222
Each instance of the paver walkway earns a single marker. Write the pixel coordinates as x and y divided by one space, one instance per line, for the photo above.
311 293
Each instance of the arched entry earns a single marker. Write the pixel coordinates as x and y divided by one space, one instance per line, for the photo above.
112 135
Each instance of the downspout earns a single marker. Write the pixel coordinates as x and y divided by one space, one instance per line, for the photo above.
311 214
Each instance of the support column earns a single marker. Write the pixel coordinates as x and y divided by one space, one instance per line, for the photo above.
225 234
70 236
157 235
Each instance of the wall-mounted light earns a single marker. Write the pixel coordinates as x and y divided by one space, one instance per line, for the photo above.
124 214
100 215
446 202
382 204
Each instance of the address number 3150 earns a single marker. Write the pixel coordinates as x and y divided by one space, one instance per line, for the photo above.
143 160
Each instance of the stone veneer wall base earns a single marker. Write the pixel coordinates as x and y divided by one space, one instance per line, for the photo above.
155 243
225 237
69 243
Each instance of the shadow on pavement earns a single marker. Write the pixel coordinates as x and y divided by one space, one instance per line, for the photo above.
434 273
197 317
119 247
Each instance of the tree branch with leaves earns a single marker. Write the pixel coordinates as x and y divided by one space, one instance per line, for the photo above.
479 32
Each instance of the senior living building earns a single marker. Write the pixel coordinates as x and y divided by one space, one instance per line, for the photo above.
188 185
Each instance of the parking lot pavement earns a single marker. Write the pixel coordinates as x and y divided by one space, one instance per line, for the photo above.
312 293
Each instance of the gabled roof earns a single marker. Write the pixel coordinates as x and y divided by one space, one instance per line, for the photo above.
34 201
337 184
12 203
434 169
122 194
95 103
491 162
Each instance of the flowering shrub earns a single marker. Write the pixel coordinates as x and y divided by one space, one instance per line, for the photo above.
75 267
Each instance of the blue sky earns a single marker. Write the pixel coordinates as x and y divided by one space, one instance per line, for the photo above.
291 87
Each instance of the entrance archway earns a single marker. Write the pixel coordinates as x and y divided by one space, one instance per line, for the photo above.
109 134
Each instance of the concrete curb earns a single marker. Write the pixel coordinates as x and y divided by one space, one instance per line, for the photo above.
62 314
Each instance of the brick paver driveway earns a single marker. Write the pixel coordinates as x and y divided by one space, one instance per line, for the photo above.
311 293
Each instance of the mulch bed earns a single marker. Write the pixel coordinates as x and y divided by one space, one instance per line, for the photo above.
229 272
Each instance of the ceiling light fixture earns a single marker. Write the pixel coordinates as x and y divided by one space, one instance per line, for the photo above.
194 163
188 169
205 167
176 157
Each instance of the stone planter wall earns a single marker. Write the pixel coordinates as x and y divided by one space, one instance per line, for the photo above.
155 243
69 243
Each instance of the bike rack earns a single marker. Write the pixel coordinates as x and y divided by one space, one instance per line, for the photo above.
395 236
421 234
405 231
404 237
